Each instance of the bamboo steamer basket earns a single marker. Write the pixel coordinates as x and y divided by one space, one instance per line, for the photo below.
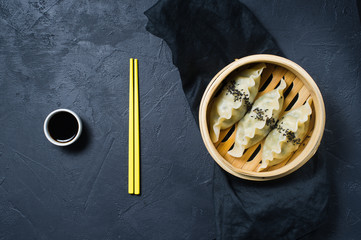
300 87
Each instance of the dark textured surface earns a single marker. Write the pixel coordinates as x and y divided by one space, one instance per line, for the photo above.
213 34
286 208
75 54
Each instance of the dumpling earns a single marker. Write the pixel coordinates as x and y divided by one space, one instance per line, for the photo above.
282 141
232 103
259 121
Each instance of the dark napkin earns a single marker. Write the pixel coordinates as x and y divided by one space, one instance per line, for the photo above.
204 36
359 8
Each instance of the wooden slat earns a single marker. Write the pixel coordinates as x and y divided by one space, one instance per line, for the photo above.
230 159
289 77
239 162
303 95
297 85
222 135
277 75
223 147
251 165
266 73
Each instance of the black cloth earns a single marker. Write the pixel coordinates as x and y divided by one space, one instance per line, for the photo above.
359 8
204 36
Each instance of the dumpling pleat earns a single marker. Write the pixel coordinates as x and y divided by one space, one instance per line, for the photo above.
286 138
256 124
231 104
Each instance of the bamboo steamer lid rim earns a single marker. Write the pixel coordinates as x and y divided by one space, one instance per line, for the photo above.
319 125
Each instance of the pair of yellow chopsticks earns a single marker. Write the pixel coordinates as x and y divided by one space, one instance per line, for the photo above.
134 168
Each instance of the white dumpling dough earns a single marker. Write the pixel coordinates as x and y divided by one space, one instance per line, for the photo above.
259 121
282 141
231 104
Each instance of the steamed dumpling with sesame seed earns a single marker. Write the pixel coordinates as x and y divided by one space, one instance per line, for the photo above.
282 141
257 123
233 101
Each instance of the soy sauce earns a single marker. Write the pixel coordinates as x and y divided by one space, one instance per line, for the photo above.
63 127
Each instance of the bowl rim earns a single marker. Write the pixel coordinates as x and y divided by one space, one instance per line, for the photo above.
319 124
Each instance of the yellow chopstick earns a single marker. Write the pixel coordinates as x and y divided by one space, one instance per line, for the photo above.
136 131
131 130
134 157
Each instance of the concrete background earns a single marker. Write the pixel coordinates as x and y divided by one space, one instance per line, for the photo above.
75 54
